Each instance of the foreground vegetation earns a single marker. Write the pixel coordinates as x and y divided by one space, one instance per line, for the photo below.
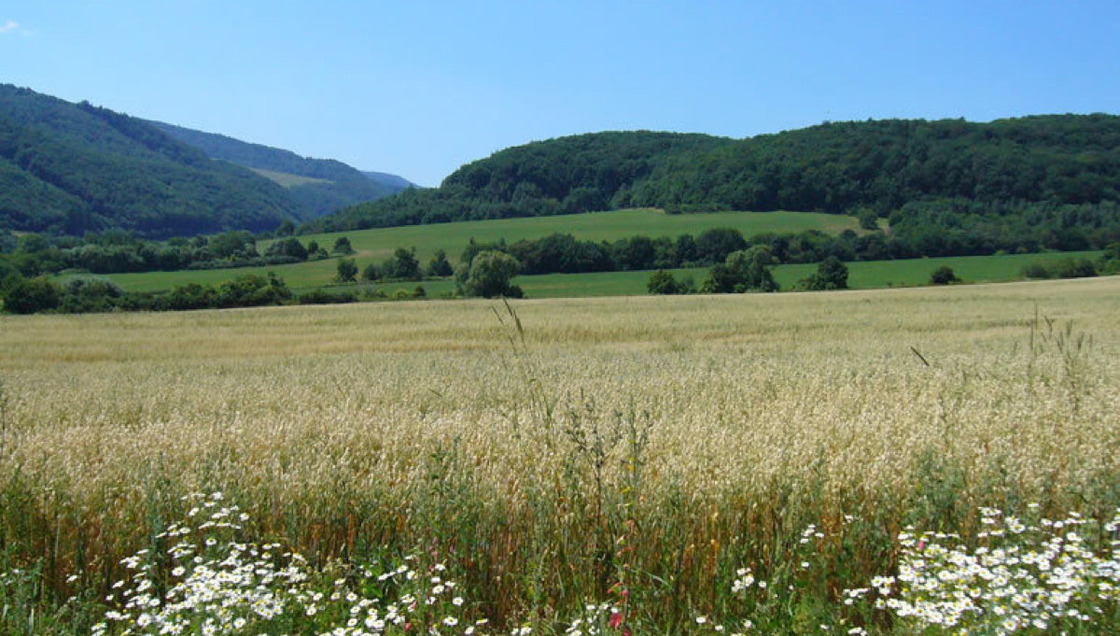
564 453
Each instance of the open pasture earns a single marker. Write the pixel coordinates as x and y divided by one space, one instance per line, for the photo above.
563 451
862 275
612 225
376 245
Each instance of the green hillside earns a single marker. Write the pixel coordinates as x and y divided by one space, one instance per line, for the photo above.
74 168
374 246
326 185
837 167
568 175
595 226
947 187
286 179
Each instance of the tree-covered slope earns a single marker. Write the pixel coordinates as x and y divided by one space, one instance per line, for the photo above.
561 176
835 167
986 169
73 168
340 185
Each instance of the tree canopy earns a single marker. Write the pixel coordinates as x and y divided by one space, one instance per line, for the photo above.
892 168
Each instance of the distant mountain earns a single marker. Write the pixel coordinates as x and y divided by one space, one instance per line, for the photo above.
391 180
326 185
74 168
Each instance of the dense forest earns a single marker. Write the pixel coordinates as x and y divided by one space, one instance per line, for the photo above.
73 168
883 165
336 184
947 187
68 169
560 176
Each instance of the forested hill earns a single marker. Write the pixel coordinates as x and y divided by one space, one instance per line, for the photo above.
835 167
73 168
561 176
881 166
328 185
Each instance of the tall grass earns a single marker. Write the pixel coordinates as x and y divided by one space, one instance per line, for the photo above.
639 451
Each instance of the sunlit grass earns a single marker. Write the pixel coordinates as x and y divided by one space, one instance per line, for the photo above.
655 445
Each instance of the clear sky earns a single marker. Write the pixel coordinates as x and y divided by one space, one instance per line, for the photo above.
419 88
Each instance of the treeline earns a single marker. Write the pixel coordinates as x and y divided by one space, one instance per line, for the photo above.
879 166
563 253
21 295
116 252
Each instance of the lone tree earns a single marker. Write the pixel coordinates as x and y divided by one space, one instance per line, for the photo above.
439 266
830 274
489 275
402 265
943 276
662 282
342 246
347 270
289 247
743 271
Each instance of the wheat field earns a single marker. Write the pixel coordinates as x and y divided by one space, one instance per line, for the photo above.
551 450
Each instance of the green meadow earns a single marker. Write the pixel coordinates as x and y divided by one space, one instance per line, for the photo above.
598 226
376 245
286 179
861 275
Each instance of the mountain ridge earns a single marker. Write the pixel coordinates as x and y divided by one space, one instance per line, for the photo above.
73 168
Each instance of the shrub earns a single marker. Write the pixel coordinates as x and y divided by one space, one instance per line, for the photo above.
347 270
662 282
289 247
743 271
830 274
1036 270
489 275
342 246
325 297
943 275
439 265
30 295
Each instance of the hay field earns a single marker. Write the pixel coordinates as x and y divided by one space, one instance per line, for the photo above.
659 441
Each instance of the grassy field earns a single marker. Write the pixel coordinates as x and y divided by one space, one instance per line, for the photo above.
286 179
374 246
862 275
664 456
378 244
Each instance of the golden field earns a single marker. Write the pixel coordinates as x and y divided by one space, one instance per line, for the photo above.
667 440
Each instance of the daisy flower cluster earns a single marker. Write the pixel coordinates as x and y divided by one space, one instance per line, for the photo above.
209 583
1022 577
597 618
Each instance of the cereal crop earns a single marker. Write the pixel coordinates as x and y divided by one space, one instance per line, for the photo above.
643 465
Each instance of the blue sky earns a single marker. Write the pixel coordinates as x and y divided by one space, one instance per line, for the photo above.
420 88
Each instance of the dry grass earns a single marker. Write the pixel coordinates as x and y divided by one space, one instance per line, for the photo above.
397 426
